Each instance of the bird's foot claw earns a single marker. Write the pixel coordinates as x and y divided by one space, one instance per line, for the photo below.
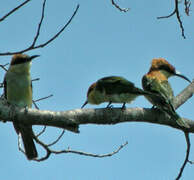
123 108
109 107
26 109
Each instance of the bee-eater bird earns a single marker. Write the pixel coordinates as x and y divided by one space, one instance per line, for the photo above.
18 92
156 82
113 89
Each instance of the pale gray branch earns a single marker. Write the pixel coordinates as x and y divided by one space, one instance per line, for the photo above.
184 95
71 119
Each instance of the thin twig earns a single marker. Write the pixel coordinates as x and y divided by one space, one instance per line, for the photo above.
91 154
118 7
186 157
57 34
171 14
43 98
191 162
41 132
13 10
31 47
39 25
37 79
179 19
176 11
49 151
57 140
187 4
35 105
3 67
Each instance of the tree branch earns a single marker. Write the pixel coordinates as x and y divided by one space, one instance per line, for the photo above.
50 151
186 157
13 10
187 4
71 119
118 7
184 95
176 11
33 45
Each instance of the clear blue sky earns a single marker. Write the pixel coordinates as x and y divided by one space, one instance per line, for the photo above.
100 41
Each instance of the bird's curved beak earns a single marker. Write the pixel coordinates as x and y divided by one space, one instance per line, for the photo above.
177 73
84 104
33 57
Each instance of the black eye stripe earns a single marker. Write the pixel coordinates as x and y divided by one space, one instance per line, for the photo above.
166 68
20 61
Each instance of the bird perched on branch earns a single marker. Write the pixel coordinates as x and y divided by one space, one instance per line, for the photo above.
18 92
113 89
156 82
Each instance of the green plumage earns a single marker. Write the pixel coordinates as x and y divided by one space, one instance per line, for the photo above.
113 89
162 97
18 92
117 85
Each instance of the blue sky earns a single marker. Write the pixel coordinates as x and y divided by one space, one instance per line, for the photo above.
100 41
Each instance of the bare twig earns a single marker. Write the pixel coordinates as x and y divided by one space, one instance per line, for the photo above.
187 4
186 157
49 151
191 162
35 105
3 66
33 46
171 14
34 101
176 11
57 140
118 7
41 132
37 79
43 98
13 10
40 24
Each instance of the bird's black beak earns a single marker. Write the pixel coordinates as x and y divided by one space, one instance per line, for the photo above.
177 73
32 57
84 104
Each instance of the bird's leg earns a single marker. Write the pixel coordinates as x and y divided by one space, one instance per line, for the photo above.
109 105
26 109
12 111
123 106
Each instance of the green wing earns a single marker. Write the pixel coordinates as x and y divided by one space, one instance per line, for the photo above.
163 89
162 93
167 90
116 85
162 97
5 88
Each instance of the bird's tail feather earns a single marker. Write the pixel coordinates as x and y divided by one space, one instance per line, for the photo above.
182 123
29 146
27 138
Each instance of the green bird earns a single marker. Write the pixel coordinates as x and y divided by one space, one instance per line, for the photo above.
156 82
18 92
113 89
